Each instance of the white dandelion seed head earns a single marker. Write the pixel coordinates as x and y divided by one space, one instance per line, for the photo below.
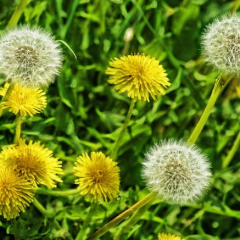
177 171
29 56
221 44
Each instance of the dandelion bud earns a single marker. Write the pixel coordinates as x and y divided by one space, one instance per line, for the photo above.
177 171
221 44
129 35
29 56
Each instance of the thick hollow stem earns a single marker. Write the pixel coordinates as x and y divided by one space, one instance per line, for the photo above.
40 208
82 232
122 216
218 88
18 129
17 13
120 137
57 193
127 225
235 6
232 152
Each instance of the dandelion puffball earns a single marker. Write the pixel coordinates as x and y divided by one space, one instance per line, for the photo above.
29 56
177 171
139 75
221 44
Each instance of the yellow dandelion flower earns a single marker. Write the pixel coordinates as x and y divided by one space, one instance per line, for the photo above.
139 75
24 101
98 176
15 193
34 162
163 236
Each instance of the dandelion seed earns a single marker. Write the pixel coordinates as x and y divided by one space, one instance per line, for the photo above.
98 176
221 44
15 193
177 171
24 101
139 75
29 56
34 162
163 236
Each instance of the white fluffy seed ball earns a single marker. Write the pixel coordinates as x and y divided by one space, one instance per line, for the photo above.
221 44
177 171
29 56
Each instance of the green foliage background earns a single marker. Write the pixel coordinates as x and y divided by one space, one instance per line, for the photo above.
85 113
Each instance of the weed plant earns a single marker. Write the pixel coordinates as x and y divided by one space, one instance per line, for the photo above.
119 119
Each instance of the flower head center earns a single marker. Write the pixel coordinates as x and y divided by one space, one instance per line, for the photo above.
28 162
26 56
176 172
98 176
6 185
139 74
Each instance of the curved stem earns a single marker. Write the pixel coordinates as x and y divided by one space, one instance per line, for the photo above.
127 225
235 6
125 124
18 129
17 13
122 216
82 232
232 152
218 88
40 208
6 96
65 193
216 210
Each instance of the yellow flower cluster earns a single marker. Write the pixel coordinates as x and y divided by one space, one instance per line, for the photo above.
27 65
141 76
23 167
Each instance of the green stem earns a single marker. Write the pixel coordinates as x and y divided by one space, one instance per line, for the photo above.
82 232
56 224
122 216
120 137
232 152
18 129
17 13
235 6
218 88
6 96
65 193
40 208
127 225
217 210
